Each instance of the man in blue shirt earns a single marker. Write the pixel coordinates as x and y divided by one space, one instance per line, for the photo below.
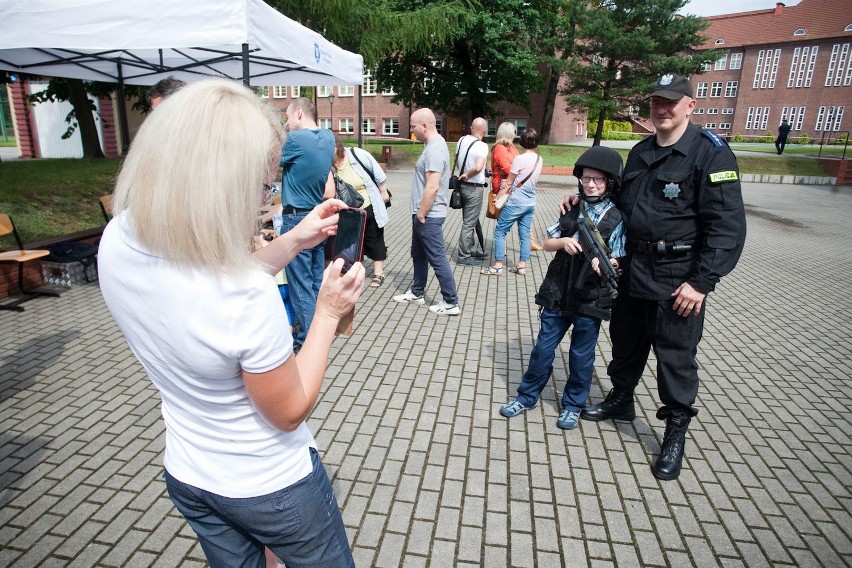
306 160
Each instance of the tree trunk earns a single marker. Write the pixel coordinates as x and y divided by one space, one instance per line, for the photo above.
599 129
85 121
549 105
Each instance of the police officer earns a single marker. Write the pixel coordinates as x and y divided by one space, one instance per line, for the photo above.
685 225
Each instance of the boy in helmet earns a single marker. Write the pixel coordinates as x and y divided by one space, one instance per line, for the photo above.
572 293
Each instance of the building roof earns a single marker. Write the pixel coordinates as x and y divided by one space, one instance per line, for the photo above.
819 19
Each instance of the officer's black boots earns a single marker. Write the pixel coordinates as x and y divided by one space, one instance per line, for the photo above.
668 464
618 405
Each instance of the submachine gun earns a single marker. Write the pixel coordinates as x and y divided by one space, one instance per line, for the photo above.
593 247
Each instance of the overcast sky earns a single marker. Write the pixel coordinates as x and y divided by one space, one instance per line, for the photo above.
716 7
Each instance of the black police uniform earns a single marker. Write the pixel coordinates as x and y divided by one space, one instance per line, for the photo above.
685 222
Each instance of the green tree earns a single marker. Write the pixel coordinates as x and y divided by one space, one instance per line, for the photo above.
622 47
491 58
378 28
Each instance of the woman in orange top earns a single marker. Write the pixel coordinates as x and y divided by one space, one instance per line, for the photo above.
502 154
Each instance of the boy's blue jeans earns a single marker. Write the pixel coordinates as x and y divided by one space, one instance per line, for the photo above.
581 359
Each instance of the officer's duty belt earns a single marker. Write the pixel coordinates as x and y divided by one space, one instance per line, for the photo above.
660 248
473 184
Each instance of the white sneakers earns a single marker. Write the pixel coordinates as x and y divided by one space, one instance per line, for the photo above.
442 308
409 297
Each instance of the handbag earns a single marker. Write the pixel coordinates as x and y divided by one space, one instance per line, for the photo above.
455 184
346 193
492 212
456 199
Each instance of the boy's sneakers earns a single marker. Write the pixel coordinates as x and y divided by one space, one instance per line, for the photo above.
409 297
568 419
442 308
513 408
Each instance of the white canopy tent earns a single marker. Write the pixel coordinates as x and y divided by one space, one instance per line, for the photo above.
139 42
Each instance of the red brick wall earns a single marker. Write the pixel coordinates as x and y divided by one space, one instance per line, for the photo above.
23 117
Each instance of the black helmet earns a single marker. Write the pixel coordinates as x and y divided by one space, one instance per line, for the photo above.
601 158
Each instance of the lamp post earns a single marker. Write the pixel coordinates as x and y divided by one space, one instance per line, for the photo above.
331 107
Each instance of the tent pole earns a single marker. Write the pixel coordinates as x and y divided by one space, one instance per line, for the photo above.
124 134
246 75
360 126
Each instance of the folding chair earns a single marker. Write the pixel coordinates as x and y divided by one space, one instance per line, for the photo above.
20 256
106 206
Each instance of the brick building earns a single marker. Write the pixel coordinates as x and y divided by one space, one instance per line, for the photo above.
790 62
337 109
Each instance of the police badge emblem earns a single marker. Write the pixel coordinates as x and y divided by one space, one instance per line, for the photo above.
671 190
666 80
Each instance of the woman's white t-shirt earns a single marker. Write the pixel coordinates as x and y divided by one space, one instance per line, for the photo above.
195 331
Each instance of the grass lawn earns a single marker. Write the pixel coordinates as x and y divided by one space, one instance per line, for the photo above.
9 142
51 198
833 151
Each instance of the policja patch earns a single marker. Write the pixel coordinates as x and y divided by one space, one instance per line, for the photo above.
671 190
719 177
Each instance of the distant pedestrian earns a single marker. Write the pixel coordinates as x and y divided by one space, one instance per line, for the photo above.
306 160
520 185
162 89
474 155
783 132
430 193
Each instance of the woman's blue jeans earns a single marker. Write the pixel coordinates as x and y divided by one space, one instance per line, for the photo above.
581 359
524 216
301 524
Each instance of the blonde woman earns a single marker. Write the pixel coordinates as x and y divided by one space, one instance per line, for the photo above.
204 317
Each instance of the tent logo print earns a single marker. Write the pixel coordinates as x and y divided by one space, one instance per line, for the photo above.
317 52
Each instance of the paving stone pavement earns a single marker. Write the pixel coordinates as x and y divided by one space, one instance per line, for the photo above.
426 470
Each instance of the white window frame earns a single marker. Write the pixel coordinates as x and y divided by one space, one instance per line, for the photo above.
390 127
841 64
716 89
295 92
370 84
710 125
701 90
758 70
323 91
749 118
263 92
698 111
765 121
346 125
721 63
728 110
324 123
346 90
801 119
724 126
279 92
368 126
811 66
794 65
838 118
736 61
731 89
712 111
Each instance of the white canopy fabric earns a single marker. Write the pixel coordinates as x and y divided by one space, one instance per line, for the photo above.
139 42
